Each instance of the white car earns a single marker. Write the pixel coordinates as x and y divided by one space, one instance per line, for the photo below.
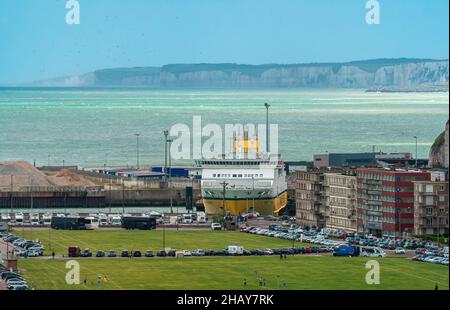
400 251
33 253
187 253
216 226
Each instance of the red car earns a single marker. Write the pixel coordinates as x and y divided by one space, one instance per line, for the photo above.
308 250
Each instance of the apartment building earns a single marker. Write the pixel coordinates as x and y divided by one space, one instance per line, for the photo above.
310 210
340 200
385 201
431 208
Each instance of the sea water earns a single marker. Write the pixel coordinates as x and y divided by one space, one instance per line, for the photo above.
92 127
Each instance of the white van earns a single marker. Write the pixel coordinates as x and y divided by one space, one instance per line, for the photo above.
372 252
102 220
19 218
47 219
235 250
34 219
187 219
116 221
201 217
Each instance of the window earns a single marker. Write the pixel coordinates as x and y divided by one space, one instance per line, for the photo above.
429 211
441 198
429 200
429 188
214 175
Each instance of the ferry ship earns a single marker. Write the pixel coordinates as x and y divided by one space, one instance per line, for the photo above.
239 185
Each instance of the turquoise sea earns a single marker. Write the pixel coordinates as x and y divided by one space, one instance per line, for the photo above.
89 127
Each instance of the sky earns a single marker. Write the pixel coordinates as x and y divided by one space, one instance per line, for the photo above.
36 43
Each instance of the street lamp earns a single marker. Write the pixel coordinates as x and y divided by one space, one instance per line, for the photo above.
137 149
267 126
166 134
415 137
169 175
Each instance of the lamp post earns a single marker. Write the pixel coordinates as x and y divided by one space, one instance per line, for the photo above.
267 126
137 149
166 133
224 185
169 175
415 137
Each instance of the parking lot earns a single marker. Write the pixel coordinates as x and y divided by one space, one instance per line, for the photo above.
330 240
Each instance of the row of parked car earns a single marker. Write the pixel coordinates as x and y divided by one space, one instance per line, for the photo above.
295 234
23 247
13 280
432 255
200 252
430 258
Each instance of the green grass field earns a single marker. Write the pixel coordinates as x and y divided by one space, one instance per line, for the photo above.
299 272
59 240
209 273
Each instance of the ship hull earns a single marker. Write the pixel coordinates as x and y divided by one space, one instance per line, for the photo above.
269 206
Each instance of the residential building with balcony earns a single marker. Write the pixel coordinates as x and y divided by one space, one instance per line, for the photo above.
431 208
385 201
310 209
340 201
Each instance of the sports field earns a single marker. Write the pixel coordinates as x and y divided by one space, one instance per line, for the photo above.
208 273
118 240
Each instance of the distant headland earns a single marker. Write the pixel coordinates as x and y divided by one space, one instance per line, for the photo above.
384 75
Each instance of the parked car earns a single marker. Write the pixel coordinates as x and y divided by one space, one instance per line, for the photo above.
372 252
198 252
161 253
34 253
137 253
148 254
125 253
86 253
187 253
100 253
216 226
400 251
112 253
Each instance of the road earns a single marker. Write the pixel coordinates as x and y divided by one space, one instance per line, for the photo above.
3 248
